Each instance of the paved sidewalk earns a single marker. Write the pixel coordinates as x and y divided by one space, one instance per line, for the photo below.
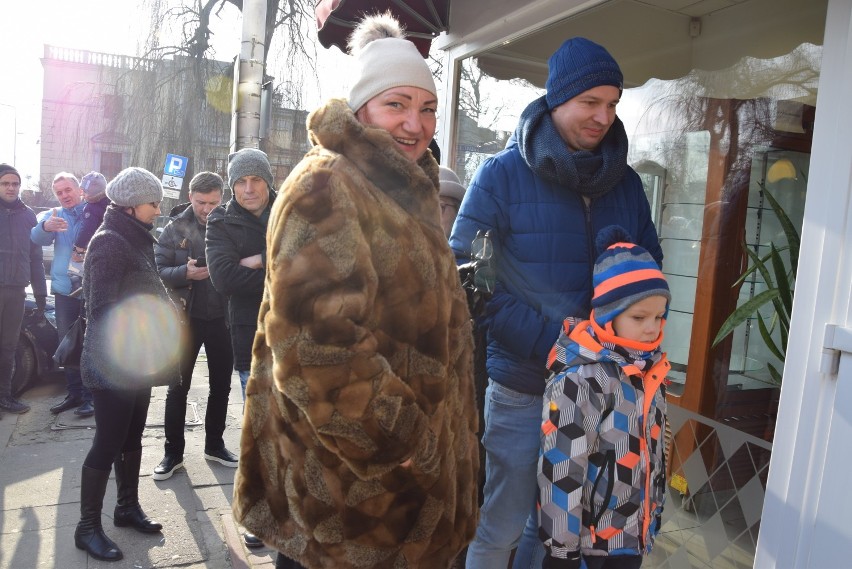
40 464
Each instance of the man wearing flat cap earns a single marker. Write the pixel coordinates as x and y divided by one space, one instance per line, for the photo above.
562 177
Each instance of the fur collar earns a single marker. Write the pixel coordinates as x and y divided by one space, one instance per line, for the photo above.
413 186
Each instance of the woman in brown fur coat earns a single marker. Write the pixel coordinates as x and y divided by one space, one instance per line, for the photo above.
359 440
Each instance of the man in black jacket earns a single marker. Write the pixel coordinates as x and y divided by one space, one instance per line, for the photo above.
236 249
20 265
236 255
181 263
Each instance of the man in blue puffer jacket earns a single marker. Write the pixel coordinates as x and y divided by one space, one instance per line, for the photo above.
562 177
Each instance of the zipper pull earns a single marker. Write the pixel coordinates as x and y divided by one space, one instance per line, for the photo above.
594 537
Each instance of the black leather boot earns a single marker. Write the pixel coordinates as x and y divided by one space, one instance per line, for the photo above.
89 535
128 512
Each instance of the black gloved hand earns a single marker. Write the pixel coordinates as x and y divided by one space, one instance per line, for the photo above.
41 302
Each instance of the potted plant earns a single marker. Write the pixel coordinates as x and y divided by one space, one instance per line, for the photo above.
780 283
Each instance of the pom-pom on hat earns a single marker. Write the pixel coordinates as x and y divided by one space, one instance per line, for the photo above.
625 273
133 187
93 184
450 185
577 66
385 59
249 162
9 169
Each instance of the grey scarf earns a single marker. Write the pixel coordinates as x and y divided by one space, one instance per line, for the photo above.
590 174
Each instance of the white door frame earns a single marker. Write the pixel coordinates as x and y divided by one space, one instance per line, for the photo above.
811 460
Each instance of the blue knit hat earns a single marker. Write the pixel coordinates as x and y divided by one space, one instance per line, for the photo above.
577 66
625 273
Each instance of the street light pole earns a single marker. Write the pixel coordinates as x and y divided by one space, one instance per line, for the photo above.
245 122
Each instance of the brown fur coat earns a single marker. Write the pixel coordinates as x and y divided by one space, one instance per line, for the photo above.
362 360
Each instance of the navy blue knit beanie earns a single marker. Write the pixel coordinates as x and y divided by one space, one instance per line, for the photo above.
577 66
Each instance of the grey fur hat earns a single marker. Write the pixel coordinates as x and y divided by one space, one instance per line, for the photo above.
133 187
249 162
385 59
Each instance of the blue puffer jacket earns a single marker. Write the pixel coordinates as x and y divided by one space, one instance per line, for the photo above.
544 254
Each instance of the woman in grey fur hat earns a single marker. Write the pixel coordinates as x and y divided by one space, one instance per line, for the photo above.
131 343
359 445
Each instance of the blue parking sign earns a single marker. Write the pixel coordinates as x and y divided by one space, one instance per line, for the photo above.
175 165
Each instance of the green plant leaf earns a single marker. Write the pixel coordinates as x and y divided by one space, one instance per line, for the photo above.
781 279
793 239
761 267
776 375
743 313
767 338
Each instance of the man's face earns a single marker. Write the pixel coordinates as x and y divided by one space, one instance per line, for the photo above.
407 113
583 121
203 204
10 187
252 193
67 192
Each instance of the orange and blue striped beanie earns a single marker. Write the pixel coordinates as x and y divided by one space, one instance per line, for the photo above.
625 273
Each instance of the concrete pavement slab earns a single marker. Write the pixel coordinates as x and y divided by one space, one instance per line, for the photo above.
40 491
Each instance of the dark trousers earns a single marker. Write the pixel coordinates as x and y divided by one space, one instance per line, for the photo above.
11 316
613 562
284 562
67 311
119 421
216 339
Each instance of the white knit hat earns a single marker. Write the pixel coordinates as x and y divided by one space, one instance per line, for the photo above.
385 60
450 185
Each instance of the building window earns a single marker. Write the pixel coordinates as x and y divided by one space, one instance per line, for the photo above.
113 106
110 164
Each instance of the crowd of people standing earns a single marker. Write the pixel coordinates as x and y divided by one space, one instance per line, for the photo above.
338 302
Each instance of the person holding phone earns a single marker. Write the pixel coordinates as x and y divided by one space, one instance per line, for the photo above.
183 268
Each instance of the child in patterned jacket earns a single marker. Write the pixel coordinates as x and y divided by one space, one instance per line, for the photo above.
602 472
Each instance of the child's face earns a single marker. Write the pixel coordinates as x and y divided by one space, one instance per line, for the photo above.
642 321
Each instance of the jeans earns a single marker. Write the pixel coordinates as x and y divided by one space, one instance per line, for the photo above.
119 422
67 311
508 513
214 336
11 316
244 375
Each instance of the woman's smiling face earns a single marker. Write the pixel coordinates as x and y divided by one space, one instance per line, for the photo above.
407 113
